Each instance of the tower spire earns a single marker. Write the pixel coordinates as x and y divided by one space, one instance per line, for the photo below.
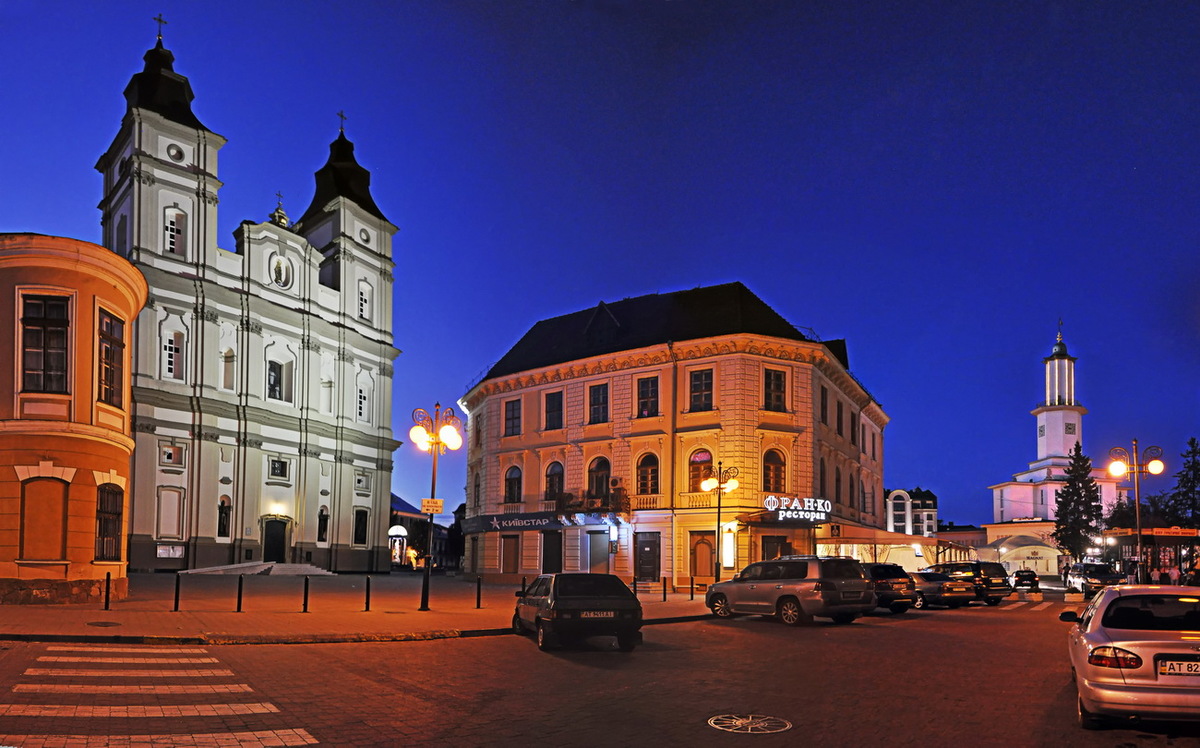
161 22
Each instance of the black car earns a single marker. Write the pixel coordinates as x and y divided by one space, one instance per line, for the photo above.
989 578
1027 578
557 607
894 588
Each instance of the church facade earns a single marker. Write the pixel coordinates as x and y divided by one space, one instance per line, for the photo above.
1031 493
262 374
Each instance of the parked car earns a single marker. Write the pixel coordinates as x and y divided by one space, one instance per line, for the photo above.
894 588
1090 577
935 588
556 607
1027 578
1133 654
990 578
796 588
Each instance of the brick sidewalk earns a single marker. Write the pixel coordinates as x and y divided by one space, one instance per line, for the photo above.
272 611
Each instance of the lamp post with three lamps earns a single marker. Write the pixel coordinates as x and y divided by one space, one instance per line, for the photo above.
434 434
721 480
1122 464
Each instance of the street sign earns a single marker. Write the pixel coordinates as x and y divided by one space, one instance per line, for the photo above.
431 506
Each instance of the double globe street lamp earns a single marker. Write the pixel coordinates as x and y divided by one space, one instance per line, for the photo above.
721 480
434 434
1122 464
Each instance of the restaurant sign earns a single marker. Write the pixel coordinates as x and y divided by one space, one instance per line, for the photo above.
791 508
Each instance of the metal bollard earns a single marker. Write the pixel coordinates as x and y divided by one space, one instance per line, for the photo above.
478 592
368 608
107 587
241 582
522 585
178 579
664 580
692 594
305 594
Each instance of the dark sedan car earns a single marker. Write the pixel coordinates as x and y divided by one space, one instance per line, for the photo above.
1027 578
563 606
935 588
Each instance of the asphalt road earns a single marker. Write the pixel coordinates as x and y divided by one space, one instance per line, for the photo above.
976 676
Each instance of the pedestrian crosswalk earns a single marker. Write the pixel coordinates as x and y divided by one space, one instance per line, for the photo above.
137 696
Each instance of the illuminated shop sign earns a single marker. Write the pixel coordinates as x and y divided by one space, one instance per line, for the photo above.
790 507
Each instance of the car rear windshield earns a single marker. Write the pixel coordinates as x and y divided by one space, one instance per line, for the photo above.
591 585
841 568
1095 569
933 576
1154 613
993 570
888 572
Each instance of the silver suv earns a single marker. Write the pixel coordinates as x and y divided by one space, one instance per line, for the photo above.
796 588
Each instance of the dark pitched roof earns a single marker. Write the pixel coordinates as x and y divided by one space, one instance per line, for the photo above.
649 320
342 176
400 505
160 89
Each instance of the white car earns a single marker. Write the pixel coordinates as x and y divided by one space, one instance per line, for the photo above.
1135 653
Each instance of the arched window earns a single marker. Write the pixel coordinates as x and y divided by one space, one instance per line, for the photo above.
554 481
773 471
512 485
228 369
837 485
599 473
364 300
109 508
175 232
647 475
224 513
323 525
698 464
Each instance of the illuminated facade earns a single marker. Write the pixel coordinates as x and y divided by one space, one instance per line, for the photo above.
262 375
66 314
588 441
912 512
1030 495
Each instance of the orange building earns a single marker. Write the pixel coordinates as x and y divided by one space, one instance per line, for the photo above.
66 311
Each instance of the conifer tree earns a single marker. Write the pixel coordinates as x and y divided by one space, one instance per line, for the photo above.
1185 498
1077 507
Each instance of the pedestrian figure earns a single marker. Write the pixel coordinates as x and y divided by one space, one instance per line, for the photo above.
1173 575
1163 577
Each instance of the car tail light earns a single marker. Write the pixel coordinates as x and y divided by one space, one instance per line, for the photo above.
1114 657
825 587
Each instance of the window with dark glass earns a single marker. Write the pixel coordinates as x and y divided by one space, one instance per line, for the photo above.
840 414
360 526
647 397
598 403
275 380
698 464
112 357
44 327
824 406
773 469
599 473
477 491
512 485
278 468
775 390
701 390
554 481
821 485
109 507
323 525
647 475
854 428
512 418
554 410
837 485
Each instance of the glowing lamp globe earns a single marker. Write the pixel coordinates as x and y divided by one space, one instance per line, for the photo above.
450 437
708 484
730 484
1117 468
1154 467
420 437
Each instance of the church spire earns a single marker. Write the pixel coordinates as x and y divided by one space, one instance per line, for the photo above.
342 176
159 89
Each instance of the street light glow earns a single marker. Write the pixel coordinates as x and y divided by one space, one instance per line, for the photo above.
1155 467
1118 468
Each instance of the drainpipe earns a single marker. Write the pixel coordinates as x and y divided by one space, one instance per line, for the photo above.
674 405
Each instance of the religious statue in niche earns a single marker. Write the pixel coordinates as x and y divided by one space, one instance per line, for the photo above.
281 271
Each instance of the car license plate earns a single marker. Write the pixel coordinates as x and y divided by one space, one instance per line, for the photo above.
597 614
1176 667
851 595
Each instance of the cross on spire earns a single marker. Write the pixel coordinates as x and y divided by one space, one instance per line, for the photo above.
1060 329
279 198
161 22
342 126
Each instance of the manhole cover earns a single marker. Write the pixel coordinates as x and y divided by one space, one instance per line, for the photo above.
749 723
103 623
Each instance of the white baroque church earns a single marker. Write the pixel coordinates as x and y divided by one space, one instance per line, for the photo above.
262 374
1030 495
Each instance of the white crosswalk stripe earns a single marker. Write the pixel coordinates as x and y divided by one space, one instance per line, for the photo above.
139 685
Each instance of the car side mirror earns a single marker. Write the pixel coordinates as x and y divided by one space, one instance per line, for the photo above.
1069 616
519 593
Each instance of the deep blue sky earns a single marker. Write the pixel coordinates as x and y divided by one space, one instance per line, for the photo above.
937 183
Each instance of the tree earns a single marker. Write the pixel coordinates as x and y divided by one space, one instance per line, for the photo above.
1077 507
1185 498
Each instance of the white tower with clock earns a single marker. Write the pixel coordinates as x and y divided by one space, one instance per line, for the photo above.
1031 493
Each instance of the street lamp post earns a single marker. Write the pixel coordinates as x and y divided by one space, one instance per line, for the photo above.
1122 464
722 480
434 434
